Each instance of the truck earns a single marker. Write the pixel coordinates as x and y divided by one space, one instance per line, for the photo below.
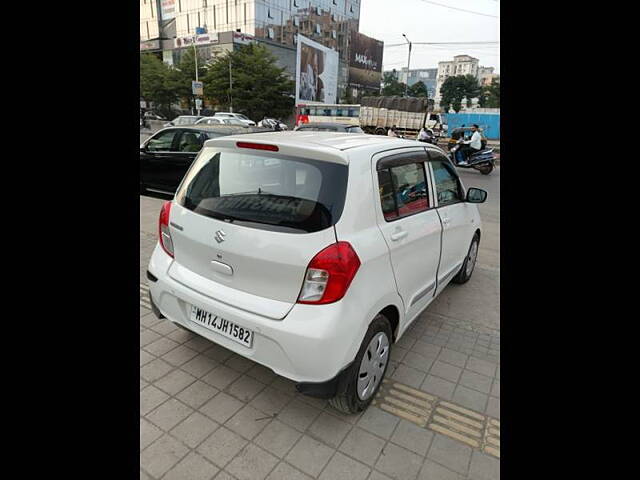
409 115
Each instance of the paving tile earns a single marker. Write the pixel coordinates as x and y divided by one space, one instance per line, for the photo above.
398 462
476 381
221 377
454 358
165 327
417 361
495 389
155 369
252 463
498 373
481 366
145 357
161 346
144 475
450 453
433 471
197 394
149 433
377 476
285 385
192 467
239 363
143 383
471 399
378 422
180 335
284 471
277 438
224 476
162 455
446 371
493 407
218 353
408 376
221 407
245 388
179 355
175 381
194 429
169 414
221 446
405 342
438 386
199 366
329 429
309 455
262 374
147 318
150 398
412 437
362 445
299 414
426 349
199 343
398 353
248 422
341 467
147 337
484 467
270 401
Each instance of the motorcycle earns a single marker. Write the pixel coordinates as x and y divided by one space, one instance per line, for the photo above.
272 123
483 161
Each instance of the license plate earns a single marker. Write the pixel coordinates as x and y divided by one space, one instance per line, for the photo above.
226 328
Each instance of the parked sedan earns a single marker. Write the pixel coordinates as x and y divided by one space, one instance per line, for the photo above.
220 121
183 120
166 156
329 127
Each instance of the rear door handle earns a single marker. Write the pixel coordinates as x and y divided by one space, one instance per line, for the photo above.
399 235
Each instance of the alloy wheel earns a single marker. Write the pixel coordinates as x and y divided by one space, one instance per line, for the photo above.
372 366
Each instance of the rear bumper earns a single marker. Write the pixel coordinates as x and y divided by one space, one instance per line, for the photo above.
311 345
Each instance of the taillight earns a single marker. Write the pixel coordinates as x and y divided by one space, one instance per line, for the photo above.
329 274
163 229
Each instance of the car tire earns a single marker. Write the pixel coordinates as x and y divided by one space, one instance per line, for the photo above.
467 268
348 399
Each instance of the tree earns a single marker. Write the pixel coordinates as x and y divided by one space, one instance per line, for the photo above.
260 88
155 83
391 85
490 96
184 73
454 89
418 89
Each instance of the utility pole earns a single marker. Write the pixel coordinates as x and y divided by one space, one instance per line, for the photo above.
230 86
195 56
406 85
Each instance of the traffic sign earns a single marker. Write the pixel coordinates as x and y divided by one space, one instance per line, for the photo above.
198 103
196 87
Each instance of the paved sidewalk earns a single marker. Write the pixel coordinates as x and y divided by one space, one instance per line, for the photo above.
207 413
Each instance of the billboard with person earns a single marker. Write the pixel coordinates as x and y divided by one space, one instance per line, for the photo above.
316 72
365 60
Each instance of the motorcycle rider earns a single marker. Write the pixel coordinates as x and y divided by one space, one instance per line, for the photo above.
424 135
469 147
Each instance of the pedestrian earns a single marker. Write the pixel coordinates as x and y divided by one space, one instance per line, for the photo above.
392 132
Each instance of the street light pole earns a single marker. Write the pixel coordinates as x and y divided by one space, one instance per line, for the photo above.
406 85
230 86
195 55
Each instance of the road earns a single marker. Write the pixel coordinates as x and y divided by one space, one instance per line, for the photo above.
205 411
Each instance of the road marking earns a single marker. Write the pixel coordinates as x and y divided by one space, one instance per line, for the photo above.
428 411
145 300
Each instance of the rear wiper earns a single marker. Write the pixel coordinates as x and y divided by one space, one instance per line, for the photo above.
259 191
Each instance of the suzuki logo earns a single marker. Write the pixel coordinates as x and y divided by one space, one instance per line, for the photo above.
220 236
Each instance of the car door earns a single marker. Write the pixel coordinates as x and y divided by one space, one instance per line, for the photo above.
188 145
458 220
410 225
155 159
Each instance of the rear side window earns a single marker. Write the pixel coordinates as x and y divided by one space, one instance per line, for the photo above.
403 190
267 191
162 142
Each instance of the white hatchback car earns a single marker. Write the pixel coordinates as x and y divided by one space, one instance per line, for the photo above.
311 253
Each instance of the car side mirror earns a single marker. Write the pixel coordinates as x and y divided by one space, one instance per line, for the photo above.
476 195
143 148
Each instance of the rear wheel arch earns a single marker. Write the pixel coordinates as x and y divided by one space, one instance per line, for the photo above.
392 314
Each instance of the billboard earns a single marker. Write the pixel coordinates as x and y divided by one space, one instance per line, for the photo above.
365 60
316 72
168 9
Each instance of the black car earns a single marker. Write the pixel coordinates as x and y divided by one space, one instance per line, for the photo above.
166 156
329 127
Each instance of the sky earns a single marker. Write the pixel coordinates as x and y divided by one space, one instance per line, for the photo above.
423 21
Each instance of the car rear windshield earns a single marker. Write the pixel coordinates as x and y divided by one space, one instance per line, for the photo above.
264 190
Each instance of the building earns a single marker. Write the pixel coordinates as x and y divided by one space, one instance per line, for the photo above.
462 65
167 27
428 76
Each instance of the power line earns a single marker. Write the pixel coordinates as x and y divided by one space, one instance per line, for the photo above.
459 9
444 43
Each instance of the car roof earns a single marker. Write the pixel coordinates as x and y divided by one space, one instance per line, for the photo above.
326 124
229 129
329 146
